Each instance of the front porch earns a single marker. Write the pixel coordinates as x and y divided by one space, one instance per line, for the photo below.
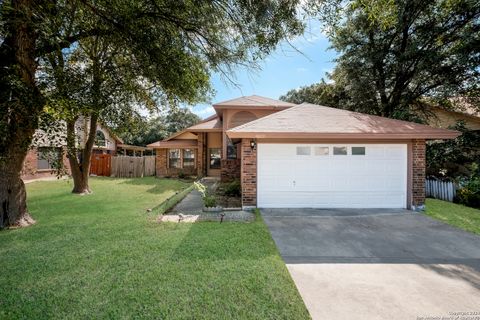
200 154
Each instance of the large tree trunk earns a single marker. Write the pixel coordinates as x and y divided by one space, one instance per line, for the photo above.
81 167
21 104
13 196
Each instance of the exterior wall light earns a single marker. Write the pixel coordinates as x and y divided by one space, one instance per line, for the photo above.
253 144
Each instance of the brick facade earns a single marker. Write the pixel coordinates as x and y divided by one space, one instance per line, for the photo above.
201 154
248 174
30 170
418 174
162 169
230 170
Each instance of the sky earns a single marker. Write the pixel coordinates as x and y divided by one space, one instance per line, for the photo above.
283 70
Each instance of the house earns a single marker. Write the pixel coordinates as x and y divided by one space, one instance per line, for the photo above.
443 118
306 155
48 148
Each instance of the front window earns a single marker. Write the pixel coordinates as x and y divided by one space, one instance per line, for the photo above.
174 158
48 158
215 154
231 150
100 139
188 158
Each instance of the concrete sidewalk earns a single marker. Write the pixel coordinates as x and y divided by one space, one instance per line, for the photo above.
193 203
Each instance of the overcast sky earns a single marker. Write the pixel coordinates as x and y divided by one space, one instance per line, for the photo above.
283 70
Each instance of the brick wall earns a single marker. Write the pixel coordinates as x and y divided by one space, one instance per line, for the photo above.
161 162
30 171
230 170
418 174
248 174
161 166
200 154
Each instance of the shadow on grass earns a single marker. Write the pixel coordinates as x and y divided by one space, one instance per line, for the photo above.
214 241
158 185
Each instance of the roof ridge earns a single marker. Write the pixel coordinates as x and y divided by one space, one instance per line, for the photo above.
262 118
226 101
371 115
254 100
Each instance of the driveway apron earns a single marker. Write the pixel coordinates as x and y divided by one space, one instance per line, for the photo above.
378 264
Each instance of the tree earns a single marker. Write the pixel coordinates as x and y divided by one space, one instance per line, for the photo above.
174 44
321 93
178 119
107 82
392 53
453 158
158 128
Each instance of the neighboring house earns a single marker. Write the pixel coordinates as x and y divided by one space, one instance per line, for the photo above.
48 148
442 118
311 156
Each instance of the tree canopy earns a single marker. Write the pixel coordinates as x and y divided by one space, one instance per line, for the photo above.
174 46
142 132
393 53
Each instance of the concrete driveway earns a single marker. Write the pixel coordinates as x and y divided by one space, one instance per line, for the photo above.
378 264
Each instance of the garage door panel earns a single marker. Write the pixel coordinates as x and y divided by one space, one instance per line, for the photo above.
287 178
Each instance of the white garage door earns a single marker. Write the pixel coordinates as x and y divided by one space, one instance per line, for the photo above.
332 175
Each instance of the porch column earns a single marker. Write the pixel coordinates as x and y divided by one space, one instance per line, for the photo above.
418 174
248 174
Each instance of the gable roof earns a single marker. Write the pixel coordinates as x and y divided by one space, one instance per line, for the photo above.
212 123
207 125
174 144
314 121
253 101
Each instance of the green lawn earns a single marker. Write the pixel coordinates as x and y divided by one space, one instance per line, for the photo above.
454 214
101 256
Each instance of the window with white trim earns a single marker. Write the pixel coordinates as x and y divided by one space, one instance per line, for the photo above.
358 151
303 151
188 158
340 151
322 151
174 158
48 158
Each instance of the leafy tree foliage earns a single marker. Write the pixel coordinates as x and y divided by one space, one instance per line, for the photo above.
392 53
144 132
173 45
453 158
321 93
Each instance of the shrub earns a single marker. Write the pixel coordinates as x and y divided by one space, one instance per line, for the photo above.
182 175
469 192
209 201
233 189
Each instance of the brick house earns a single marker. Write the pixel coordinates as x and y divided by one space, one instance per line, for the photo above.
48 148
310 156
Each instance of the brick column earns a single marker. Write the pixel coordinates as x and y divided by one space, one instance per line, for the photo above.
418 174
161 162
248 174
200 155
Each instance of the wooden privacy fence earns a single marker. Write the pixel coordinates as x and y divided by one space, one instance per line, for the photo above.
132 167
100 165
443 190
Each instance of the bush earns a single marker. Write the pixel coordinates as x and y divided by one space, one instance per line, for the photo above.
182 175
469 192
233 189
209 201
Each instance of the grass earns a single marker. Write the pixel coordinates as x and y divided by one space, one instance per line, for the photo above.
454 214
101 256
